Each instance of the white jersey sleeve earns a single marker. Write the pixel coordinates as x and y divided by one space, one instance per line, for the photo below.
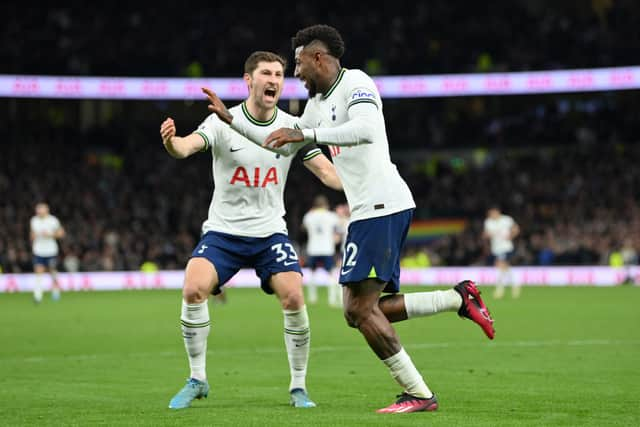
43 228
372 184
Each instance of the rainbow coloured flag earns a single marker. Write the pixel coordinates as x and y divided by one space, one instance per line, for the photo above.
430 229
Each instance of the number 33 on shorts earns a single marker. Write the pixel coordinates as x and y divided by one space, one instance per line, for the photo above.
285 253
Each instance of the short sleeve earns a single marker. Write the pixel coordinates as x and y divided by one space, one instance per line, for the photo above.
207 130
309 151
362 90
363 95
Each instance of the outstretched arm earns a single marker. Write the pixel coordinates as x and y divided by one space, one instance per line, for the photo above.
253 133
359 129
217 107
180 147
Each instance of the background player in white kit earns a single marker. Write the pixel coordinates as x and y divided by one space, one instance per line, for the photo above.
321 225
245 226
335 291
45 229
344 111
501 229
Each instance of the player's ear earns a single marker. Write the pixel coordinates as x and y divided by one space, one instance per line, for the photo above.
247 79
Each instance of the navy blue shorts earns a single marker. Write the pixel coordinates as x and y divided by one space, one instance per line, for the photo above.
327 262
266 255
373 249
47 261
503 256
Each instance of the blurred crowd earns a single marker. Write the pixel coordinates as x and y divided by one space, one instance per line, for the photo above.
123 201
563 166
576 205
400 37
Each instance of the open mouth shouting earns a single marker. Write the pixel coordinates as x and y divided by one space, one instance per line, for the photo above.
270 93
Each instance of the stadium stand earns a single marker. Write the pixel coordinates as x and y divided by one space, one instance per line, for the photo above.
564 165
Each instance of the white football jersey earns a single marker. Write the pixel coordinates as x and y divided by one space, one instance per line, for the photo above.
249 181
372 184
499 231
321 226
45 246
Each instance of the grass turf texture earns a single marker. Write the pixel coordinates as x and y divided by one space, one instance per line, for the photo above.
562 356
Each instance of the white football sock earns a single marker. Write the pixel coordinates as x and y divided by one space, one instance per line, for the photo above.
515 285
419 304
312 290
335 294
405 373
55 286
500 281
37 288
297 340
195 330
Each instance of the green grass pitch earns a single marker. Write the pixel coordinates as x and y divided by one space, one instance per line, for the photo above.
562 356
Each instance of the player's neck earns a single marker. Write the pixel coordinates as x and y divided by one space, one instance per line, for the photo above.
257 112
332 75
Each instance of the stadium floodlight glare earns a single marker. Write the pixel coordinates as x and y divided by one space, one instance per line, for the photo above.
418 86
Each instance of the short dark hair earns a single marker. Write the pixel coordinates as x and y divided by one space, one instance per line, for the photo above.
256 57
325 34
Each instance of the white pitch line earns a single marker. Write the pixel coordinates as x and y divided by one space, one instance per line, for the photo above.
327 349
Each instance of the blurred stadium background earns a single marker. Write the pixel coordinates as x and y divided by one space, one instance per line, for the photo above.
564 165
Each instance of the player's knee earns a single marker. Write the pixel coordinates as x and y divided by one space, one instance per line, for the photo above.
292 299
194 293
354 316
350 320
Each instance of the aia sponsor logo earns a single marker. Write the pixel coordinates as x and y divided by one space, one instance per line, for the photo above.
155 87
26 85
453 84
539 81
68 86
111 87
242 177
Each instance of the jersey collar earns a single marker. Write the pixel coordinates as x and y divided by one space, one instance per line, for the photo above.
335 84
255 121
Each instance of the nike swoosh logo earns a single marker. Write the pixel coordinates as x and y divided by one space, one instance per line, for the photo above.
233 150
290 262
346 272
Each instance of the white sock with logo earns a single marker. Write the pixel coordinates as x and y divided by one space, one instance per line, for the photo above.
195 331
297 340
405 373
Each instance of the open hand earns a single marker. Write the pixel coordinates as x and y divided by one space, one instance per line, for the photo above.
217 107
282 136
167 130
